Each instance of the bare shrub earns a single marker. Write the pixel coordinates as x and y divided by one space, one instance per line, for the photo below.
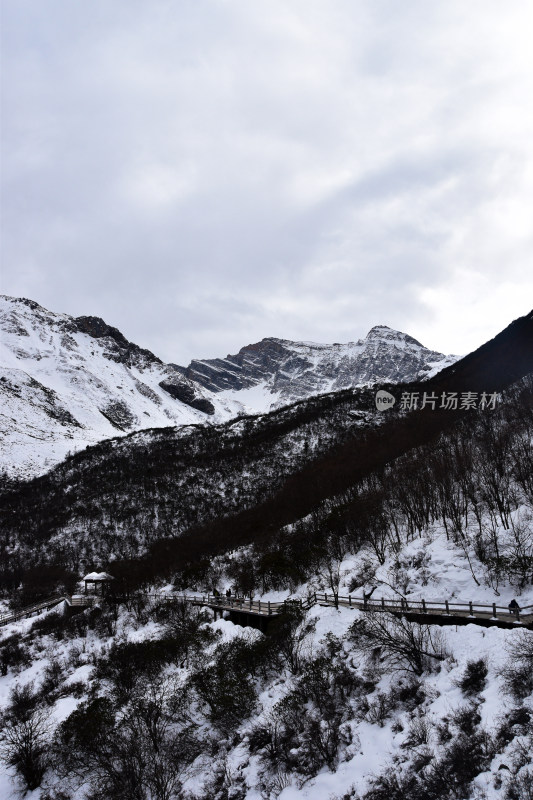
405 645
517 674
25 732
14 654
289 635
141 752
474 678
419 732
380 708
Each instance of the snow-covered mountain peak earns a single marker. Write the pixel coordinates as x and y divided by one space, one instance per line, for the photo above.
382 333
275 371
67 382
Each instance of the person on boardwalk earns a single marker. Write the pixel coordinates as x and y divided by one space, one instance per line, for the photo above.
514 608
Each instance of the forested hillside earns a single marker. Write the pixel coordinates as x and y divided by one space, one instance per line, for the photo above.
166 499
145 696
149 697
113 500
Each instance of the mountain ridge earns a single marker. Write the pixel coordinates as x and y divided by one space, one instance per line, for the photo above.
68 382
288 370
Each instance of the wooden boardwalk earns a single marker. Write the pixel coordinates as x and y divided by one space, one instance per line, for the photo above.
44 605
249 611
446 612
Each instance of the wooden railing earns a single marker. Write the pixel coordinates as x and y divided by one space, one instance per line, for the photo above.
13 616
444 608
80 600
44 605
262 607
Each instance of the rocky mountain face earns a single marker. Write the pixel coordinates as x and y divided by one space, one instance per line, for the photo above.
284 371
69 382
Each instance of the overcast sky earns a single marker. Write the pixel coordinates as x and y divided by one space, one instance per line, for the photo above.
205 173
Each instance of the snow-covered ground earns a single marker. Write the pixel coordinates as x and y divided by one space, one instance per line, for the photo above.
433 569
429 567
375 744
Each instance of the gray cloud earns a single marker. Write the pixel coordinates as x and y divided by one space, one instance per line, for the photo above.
203 174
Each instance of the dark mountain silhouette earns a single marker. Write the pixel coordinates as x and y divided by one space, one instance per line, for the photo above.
494 366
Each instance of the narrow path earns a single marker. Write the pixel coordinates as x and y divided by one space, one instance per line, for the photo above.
44 605
439 613
28 611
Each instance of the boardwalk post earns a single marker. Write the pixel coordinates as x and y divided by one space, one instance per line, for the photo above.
494 610
424 607
325 598
383 603
269 611
259 606
518 615
250 602
350 600
447 608
471 609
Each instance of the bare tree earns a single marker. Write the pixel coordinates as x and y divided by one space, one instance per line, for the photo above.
290 636
141 752
25 733
328 559
521 549
517 673
404 645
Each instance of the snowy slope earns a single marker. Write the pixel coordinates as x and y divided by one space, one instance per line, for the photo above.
277 371
319 714
66 383
394 722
